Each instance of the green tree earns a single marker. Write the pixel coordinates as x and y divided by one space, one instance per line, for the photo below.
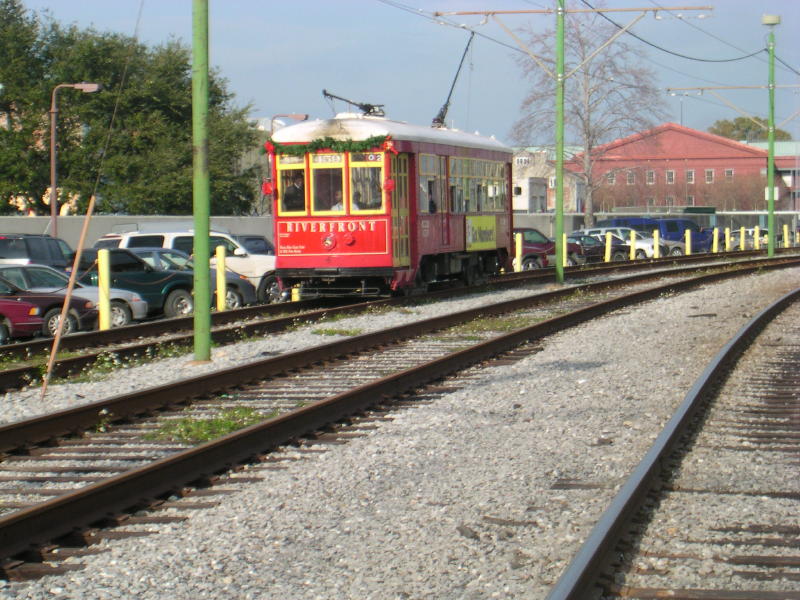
746 129
141 165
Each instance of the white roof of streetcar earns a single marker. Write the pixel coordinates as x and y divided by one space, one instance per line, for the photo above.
351 126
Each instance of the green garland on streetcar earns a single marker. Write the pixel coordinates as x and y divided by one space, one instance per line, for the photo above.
327 143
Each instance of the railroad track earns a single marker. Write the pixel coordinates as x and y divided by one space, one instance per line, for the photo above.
126 474
711 512
147 339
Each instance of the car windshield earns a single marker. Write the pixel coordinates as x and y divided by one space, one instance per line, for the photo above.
176 260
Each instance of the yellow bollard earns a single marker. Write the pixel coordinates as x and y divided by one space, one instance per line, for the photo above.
715 241
656 244
564 249
104 293
296 293
741 238
687 235
607 257
785 235
222 288
727 239
756 238
633 245
518 252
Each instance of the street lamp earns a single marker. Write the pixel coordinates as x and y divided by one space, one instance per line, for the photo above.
295 116
86 88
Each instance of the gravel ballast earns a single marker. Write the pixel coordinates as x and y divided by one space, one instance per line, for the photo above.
450 499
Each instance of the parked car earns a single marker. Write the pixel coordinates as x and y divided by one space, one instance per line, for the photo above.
258 268
240 291
594 249
19 319
644 245
166 292
30 248
669 229
255 244
539 251
126 306
81 314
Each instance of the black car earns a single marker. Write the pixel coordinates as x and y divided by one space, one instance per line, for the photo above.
594 247
31 248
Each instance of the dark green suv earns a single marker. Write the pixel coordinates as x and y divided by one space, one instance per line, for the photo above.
167 292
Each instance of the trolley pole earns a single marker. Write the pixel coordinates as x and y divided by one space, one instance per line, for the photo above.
200 184
560 142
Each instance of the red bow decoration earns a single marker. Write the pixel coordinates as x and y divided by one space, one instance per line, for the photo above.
269 147
267 188
388 145
388 185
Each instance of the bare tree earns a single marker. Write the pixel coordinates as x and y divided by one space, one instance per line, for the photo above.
609 95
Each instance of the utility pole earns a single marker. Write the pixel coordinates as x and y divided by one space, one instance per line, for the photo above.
771 21
200 184
560 77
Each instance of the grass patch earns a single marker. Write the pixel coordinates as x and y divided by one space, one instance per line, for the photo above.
334 331
492 324
193 431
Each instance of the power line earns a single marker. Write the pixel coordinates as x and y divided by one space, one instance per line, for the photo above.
678 54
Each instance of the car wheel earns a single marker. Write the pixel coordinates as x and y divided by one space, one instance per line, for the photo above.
572 261
269 292
51 319
233 299
618 257
120 314
529 264
676 251
179 304
640 255
5 334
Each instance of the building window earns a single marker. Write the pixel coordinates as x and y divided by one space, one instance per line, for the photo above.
611 178
690 176
631 177
709 175
651 202
728 175
689 200
670 200
670 177
522 161
651 178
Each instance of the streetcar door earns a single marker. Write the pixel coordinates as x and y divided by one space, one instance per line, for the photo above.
401 248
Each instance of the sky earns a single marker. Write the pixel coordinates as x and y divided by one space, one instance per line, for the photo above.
278 55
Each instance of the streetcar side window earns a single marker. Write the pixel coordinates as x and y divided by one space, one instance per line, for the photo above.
431 184
365 181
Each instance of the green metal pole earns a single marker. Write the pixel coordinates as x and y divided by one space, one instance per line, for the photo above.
202 290
771 150
560 142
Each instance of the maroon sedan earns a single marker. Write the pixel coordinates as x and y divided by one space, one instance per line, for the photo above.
19 319
81 314
538 250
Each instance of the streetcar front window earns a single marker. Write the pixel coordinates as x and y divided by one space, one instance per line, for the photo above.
292 191
365 181
327 183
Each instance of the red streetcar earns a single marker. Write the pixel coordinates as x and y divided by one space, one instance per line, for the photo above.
368 206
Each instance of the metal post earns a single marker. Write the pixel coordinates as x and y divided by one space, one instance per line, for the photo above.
560 140
53 182
771 149
202 292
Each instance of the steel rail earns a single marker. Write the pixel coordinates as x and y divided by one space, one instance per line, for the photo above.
57 517
580 576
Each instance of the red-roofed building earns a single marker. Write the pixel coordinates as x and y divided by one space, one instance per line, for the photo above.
671 166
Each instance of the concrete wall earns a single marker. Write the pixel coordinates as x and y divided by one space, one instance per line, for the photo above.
69 228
